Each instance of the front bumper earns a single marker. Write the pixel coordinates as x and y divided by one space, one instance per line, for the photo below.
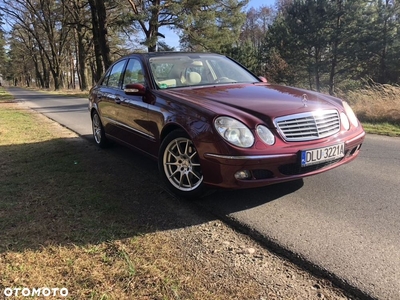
268 169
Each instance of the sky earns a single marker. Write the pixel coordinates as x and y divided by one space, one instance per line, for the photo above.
172 39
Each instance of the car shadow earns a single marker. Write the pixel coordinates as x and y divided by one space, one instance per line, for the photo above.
220 201
68 191
225 202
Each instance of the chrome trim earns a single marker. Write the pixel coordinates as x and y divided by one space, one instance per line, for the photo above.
251 157
361 135
308 126
129 128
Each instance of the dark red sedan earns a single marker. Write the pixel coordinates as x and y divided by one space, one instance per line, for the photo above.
212 123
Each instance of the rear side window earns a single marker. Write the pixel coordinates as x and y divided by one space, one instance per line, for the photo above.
115 79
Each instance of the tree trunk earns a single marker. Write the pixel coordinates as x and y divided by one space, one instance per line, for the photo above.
97 51
102 19
316 70
39 76
81 58
152 33
56 73
382 75
45 71
99 28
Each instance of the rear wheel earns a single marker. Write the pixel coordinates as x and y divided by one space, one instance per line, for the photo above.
179 165
98 131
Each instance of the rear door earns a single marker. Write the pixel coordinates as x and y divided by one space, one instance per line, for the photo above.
109 98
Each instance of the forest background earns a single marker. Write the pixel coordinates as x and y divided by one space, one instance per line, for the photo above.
332 46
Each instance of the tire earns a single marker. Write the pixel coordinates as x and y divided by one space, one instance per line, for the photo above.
179 165
98 131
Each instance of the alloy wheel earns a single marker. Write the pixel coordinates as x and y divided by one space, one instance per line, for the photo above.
181 165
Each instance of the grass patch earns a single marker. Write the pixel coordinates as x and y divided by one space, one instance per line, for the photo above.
5 96
67 220
382 129
64 92
73 216
377 107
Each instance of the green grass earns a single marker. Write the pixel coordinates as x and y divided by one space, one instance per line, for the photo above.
5 96
68 220
382 128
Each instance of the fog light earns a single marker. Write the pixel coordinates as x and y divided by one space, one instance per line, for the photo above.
244 174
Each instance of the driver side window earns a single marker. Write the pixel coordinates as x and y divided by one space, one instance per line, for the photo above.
115 76
134 72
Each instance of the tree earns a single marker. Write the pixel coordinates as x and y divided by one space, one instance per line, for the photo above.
256 25
100 33
285 63
45 22
384 40
3 57
245 54
80 22
202 24
148 16
310 36
250 45
211 25
64 39
324 42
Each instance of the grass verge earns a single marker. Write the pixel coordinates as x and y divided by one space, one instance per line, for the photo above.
69 220
64 92
378 108
382 129
60 224
5 96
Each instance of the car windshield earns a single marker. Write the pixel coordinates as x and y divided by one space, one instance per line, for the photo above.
170 71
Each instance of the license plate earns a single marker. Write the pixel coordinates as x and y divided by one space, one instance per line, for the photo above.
320 155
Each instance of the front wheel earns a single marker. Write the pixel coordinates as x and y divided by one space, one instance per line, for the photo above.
179 165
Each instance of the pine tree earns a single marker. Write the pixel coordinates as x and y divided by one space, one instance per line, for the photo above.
3 58
211 25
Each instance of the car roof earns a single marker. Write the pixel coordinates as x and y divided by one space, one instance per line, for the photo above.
171 53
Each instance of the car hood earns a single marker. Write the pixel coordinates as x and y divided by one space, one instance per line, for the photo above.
264 100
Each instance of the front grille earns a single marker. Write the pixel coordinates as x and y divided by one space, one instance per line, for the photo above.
308 126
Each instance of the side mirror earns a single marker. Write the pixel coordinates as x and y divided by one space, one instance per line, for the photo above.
135 89
263 79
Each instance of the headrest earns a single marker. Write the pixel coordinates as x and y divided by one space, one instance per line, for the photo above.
194 78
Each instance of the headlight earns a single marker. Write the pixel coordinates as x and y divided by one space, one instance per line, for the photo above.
345 121
266 135
234 132
350 114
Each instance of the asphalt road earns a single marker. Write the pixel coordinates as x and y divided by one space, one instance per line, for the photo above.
344 222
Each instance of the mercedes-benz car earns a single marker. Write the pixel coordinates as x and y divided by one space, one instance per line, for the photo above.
211 123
